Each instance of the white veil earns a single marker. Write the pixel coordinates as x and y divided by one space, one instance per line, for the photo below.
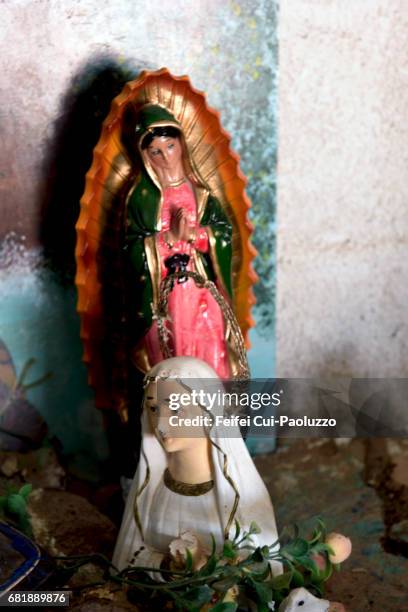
240 492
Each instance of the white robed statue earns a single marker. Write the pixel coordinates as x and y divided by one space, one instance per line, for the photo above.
192 484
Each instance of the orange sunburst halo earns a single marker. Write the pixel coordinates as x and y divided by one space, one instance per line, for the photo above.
111 170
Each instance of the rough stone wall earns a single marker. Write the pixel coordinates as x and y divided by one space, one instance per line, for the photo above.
342 188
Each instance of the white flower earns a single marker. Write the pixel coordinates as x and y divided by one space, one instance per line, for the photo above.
187 540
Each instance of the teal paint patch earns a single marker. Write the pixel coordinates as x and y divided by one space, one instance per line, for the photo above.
38 320
371 550
369 528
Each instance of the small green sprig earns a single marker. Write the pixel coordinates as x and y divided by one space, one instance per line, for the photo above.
13 506
239 574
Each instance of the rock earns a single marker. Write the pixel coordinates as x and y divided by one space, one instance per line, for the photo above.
400 471
341 442
9 466
65 523
21 423
376 460
108 598
86 574
399 531
40 467
387 471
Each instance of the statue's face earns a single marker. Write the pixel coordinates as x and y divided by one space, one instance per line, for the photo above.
158 402
165 153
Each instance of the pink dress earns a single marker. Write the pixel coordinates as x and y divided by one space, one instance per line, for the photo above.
196 322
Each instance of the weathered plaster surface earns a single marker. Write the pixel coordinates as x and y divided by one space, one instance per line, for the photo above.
61 64
54 52
343 188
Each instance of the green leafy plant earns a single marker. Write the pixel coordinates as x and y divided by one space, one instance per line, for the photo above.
13 506
239 575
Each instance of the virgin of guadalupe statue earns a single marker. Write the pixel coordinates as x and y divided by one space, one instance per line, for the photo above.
174 222
195 481
164 198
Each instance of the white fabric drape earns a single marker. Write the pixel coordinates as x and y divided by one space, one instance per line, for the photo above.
231 463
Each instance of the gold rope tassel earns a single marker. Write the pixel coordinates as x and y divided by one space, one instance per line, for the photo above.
137 495
233 485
